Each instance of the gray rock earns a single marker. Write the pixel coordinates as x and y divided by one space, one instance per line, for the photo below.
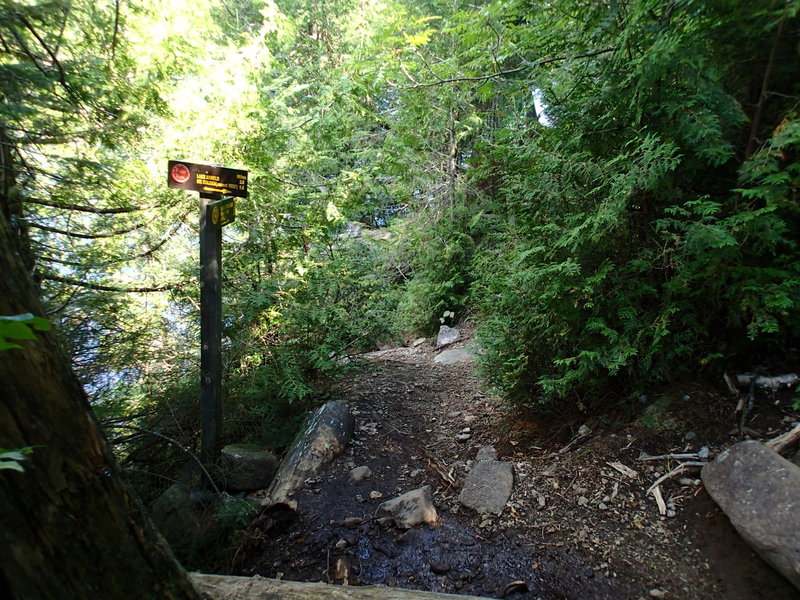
412 508
447 335
760 492
439 567
486 453
488 486
454 357
246 467
359 474
183 523
796 458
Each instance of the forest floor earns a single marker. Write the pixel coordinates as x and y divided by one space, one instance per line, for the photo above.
574 527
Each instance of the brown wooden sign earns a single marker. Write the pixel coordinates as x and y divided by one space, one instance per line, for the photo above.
207 178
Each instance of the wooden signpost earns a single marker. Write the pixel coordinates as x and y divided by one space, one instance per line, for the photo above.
218 188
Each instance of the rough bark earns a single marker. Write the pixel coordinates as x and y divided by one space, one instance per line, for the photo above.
221 587
69 526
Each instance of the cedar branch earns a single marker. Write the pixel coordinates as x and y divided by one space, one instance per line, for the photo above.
112 288
506 72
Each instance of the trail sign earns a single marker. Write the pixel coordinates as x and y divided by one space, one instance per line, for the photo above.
207 178
223 212
213 182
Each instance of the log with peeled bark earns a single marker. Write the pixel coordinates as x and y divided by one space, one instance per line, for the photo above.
786 443
324 437
224 587
70 528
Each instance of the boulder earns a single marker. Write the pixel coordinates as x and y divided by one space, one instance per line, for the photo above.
759 491
323 438
412 508
488 485
247 467
183 518
447 335
454 357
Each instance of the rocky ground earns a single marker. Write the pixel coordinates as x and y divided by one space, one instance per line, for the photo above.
579 522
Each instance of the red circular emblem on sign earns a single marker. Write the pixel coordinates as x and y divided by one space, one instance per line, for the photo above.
180 173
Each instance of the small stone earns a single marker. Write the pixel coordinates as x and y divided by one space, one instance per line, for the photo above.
686 481
690 435
454 414
359 498
470 419
375 495
439 567
583 501
657 593
447 335
385 548
359 474
341 544
584 430
486 453
352 522
466 430
671 514
463 437
703 452
410 509
602 506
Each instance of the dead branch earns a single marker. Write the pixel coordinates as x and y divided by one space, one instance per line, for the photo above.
785 443
676 471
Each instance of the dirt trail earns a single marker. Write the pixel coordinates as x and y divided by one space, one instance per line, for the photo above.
575 527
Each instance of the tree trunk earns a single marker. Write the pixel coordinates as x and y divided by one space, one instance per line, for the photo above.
69 525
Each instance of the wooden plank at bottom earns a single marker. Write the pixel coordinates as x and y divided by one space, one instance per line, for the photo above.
226 587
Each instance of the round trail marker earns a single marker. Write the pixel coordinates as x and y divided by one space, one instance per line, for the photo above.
180 173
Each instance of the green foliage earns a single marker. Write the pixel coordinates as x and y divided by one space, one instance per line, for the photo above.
432 256
633 249
12 459
20 327
234 513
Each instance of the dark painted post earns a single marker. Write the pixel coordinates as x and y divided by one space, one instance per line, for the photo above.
210 331
212 182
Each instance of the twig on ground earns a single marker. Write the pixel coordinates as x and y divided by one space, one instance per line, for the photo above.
683 456
676 471
656 491
627 471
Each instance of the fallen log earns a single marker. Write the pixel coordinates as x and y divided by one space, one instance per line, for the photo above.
761 381
324 437
784 444
226 587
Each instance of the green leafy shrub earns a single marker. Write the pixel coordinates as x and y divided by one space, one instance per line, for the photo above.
434 258
638 245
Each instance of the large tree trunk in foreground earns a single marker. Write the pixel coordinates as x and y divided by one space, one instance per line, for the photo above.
69 526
